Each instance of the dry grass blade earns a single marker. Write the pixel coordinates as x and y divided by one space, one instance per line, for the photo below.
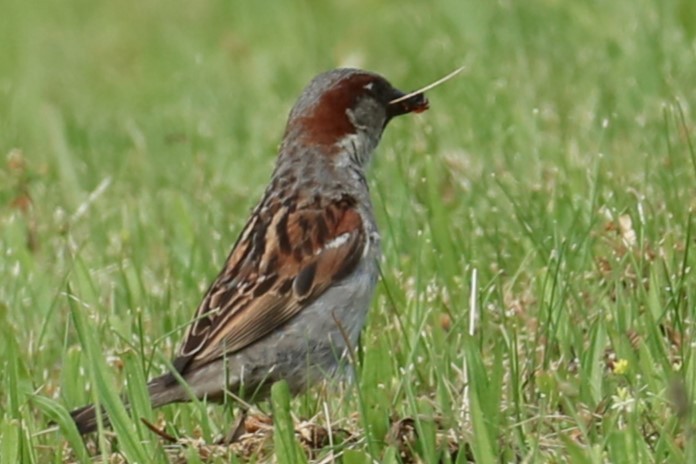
429 86
160 433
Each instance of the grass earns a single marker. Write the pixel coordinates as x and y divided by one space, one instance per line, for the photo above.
560 169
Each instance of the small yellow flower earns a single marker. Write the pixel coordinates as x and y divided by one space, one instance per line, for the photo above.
620 366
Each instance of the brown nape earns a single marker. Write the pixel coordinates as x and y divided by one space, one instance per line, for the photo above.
328 121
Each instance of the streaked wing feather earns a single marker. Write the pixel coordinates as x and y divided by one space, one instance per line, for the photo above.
325 244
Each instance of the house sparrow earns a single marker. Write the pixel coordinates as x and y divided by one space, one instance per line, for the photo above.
294 292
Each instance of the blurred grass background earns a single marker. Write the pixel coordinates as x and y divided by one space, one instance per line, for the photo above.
560 167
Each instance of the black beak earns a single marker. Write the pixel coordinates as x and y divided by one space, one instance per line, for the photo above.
403 103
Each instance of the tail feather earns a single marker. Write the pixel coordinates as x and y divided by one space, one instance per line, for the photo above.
86 419
160 391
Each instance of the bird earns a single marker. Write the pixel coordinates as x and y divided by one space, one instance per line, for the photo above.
293 294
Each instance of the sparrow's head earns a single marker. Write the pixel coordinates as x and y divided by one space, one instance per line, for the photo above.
348 108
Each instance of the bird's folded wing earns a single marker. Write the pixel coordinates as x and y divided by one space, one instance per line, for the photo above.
282 261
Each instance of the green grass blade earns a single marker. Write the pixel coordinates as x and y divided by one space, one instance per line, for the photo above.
61 417
105 392
287 450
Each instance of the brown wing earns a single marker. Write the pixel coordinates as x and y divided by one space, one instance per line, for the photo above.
284 258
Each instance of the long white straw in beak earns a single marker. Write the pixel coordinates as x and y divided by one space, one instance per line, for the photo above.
429 86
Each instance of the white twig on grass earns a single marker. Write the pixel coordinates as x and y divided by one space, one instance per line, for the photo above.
473 317
329 429
91 198
473 300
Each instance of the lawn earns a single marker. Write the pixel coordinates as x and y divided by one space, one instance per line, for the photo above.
538 296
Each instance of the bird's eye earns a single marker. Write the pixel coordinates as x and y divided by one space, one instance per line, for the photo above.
369 86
